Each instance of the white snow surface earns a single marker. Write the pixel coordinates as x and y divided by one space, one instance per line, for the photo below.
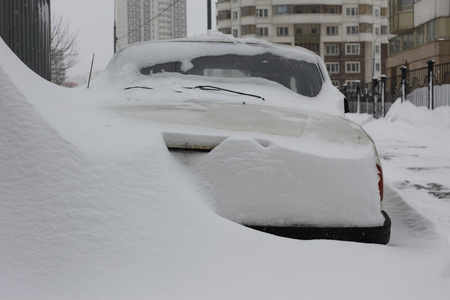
94 207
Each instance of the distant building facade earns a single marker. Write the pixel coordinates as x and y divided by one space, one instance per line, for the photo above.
25 28
420 32
145 20
349 35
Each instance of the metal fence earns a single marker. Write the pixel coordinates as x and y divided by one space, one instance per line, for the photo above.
428 86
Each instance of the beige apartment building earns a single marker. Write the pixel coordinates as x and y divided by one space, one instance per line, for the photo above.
351 36
421 32
145 20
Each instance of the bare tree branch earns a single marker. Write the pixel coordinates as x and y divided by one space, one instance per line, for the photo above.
64 49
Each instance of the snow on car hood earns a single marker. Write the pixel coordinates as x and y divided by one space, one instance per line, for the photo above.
281 117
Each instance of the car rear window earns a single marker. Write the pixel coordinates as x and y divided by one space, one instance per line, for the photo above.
302 77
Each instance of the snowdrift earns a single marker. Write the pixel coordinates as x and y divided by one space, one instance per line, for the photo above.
93 208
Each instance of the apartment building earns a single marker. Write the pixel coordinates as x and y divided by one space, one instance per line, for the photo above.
420 32
349 35
145 20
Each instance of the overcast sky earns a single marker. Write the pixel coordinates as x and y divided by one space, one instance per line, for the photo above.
94 19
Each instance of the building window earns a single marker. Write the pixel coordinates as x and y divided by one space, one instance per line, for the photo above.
248 29
332 30
262 13
282 31
408 41
332 9
377 67
352 49
365 9
431 31
225 30
235 15
377 30
262 31
420 35
352 84
377 13
335 83
391 47
352 12
235 33
281 9
352 67
222 15
332 68
352 30
405 5
331 49
248 11
377 49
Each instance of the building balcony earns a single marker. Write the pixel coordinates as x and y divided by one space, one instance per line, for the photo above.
307 19
401 21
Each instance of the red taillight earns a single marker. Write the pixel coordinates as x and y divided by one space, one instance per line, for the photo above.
380 182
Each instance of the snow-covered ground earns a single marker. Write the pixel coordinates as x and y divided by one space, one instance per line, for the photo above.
69 228
414 144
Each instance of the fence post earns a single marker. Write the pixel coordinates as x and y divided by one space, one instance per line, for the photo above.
383 95
403 84
430 84
374 96
366 96
358 97
346 102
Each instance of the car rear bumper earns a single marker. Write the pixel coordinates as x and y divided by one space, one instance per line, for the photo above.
375 235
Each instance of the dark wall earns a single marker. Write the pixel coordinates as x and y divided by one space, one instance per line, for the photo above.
25 28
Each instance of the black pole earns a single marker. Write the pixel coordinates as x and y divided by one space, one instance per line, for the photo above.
374 96
430 84
209 14
115 49
90 72
358 97
115 29
383 95
403 84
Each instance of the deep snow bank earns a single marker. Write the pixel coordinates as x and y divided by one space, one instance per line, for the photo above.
433 123
132 225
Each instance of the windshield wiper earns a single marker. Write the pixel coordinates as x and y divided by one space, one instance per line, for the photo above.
138 87
215 88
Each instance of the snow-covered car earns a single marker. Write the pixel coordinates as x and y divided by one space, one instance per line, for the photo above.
261 130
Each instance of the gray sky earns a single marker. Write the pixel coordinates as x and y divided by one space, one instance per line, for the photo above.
94 19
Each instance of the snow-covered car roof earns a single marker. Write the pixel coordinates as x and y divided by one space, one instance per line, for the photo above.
247 61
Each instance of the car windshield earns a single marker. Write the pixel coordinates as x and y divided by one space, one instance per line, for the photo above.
302 77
